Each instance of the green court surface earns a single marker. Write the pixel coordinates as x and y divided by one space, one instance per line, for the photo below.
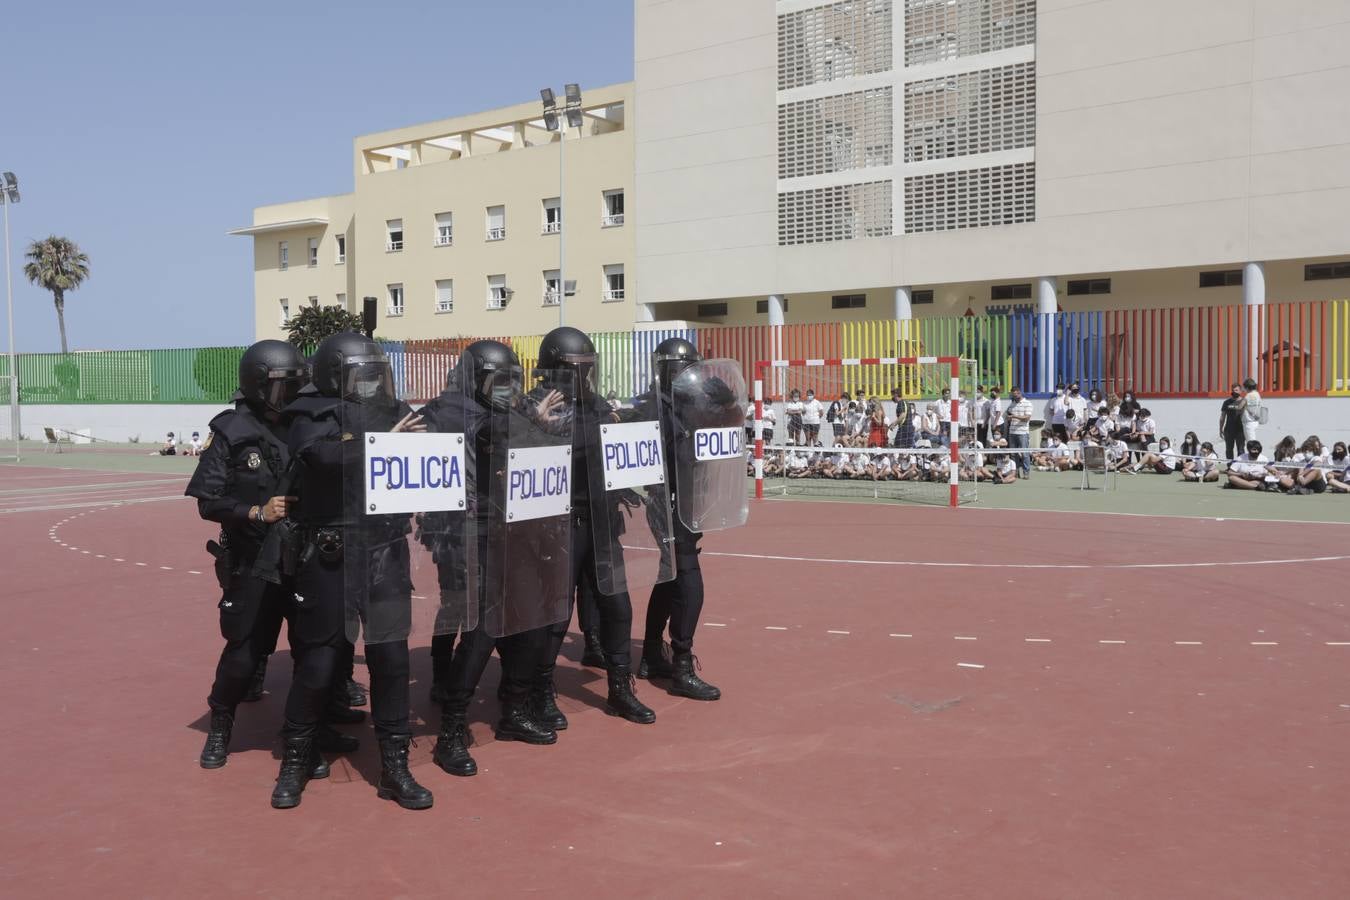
104 457
1138 495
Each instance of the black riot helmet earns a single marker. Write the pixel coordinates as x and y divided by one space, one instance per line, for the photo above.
271 374
568 348
493 371
671 357
352 367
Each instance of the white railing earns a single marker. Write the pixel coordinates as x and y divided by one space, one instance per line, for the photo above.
445 238
314 261
445 306
551 298
497 298
393 246
612 221
552 227
612 295
496 234
393 310
342 258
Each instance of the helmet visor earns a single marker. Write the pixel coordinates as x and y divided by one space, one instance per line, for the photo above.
368 380
283 386
588 371
501 388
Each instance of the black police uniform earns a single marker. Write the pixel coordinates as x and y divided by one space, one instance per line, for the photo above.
242 467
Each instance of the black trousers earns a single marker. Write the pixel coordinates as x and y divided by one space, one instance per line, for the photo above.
519 654
1233 444
385 613
318 644
251 613
679 602
615 611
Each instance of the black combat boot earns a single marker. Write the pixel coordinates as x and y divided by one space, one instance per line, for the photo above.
452 747
623 702
320 769
297 761
353 693
544 705
255 685
655 662
518 725
396 782
594 654
217 747
330 740
339 713
685 683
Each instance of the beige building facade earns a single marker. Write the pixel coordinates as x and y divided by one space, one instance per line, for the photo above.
457 227
801 160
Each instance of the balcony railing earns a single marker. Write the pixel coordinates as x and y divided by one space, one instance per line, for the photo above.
611 221
498 297
393 246
496 234
613 294
445 238
551 298
444 306
552 227
392 310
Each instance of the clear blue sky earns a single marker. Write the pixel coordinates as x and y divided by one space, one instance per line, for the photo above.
144 130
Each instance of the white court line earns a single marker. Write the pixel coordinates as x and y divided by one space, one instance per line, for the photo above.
1187 643
715 624
1338 643
1037 640
775 628
959 637
902 635
967 565
193 572
836 632
127 502
970 665
1265 643
1110 642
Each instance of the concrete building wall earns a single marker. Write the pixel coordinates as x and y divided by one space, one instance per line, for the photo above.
1168 136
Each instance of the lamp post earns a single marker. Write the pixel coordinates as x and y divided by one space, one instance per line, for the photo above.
572 115
9 193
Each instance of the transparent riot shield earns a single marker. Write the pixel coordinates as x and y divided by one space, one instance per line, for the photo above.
525 508
707 421
629 503
409 554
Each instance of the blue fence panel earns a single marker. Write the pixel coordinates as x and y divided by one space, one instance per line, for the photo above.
644 344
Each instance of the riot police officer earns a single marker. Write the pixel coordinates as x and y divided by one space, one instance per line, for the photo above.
240 483
478 397
352 393
567 348
679 602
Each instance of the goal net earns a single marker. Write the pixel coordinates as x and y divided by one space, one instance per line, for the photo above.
899 429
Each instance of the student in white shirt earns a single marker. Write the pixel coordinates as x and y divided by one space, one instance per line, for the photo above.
1077 402
1005 470
1338 474
1164 461
812 410
1248 471
980 412
995 422
1055 408
798 466
194 447
793 410
170 447
1206 468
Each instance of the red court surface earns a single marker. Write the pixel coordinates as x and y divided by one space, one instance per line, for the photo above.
917 702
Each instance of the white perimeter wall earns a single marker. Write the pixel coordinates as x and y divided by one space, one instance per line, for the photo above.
115 421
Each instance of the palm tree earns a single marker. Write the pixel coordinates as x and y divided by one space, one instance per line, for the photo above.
58 265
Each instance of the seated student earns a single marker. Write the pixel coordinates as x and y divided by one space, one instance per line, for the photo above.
1117 455
879 467
1163 461
829 463
930 426
1205 467
1311 477
1248 471
857 464
906 467
1190 445
1338 474
1143 431
796 465
940 468
773 462
1280 472
972 461
194 447
1005 470
170 447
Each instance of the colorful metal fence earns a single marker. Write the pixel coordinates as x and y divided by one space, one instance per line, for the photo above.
1290 348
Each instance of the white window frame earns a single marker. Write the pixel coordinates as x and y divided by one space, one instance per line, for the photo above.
313 258
498 294
496 232
613 294
313 301
391 245
285 306
444 234
609 218
341 301
392 290
554 205
341 241
552 295
283 255
446 305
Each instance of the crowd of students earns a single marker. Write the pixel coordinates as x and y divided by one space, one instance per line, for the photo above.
1122 426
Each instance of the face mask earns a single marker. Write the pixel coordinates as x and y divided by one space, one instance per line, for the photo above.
1074 391
502 396
365 390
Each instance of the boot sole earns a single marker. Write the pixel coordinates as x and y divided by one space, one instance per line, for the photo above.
205 764
675 693
406 804
536 741
285 804
458 773
635 719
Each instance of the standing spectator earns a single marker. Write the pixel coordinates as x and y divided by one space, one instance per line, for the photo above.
853 419
944 413
877 426
904 421
1250 407
1019 431
1095 399
793 411
1230 423
811 411
1076 402
1055 408
1126 411
994 420
930 425
835 414
981 414
769 419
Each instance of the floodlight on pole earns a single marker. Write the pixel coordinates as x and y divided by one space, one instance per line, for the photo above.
9 195
572 110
